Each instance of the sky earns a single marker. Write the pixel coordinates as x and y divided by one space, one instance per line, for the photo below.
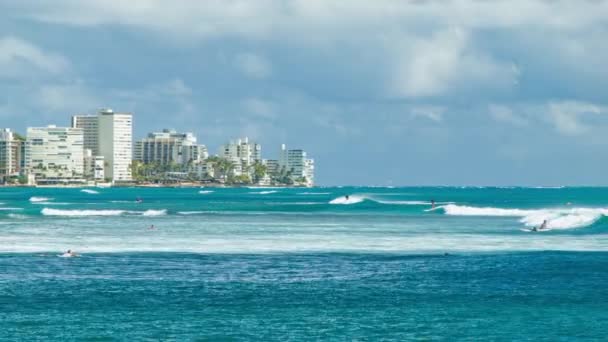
444 92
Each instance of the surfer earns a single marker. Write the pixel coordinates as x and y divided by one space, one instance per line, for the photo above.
346 197
151 227
69 254
138 200
543 226
432 204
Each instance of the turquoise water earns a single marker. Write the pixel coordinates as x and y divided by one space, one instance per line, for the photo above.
304 264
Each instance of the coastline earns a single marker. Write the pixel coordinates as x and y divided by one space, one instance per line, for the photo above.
180 185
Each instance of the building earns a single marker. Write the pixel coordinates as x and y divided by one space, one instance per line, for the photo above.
169 147
88 124
55 152
12 154
298 165
109 135
93 166
272 166
242 154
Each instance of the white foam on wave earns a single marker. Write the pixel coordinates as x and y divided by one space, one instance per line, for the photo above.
351 200
314 193
89 191
10 209
190 212
557 218
101 212
205 191
40 199
263 192
409 202
152 212
17 216
80 213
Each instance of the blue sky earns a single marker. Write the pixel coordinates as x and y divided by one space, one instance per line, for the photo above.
378 92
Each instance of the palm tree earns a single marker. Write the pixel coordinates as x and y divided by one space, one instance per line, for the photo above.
259 171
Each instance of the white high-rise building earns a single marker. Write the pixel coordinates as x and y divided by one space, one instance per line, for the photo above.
55 152
297 162
168 147
242 154
109 135
115 142
12 154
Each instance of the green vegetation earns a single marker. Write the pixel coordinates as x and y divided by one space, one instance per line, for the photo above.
215 170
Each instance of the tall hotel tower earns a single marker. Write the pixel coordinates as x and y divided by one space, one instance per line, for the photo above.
110 135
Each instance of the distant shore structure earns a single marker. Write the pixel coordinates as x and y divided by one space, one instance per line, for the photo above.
99 149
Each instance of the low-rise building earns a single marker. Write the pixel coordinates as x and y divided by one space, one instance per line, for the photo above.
169 147
55 152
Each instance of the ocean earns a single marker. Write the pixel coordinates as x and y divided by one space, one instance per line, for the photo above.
304 264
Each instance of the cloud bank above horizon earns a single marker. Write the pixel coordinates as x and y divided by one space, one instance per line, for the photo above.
383 93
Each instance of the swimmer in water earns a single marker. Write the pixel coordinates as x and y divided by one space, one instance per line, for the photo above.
138 200
69 254
151 227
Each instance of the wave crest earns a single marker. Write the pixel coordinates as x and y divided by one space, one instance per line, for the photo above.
40 199
558 218
89 191
80 213
152 212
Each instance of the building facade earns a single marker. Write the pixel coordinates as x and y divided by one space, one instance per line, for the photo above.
55 152
12 155
115 143
89 126
298 165
242 154
109 136
169 147
93 166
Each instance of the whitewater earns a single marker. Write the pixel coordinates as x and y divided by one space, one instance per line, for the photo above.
358 220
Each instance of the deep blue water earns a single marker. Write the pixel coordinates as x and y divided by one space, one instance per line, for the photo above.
251 264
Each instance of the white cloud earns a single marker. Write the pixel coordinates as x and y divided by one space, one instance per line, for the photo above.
264 18
568 116
505 114
19 58
261 108
446 62
66 98
253 65
433 113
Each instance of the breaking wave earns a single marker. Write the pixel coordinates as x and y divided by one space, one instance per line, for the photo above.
40 199
152 212
89 191
557 218
349 200
264 192
205 191
353 199
102 212
79 213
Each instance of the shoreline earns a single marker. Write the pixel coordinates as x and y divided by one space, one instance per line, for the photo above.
188 185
